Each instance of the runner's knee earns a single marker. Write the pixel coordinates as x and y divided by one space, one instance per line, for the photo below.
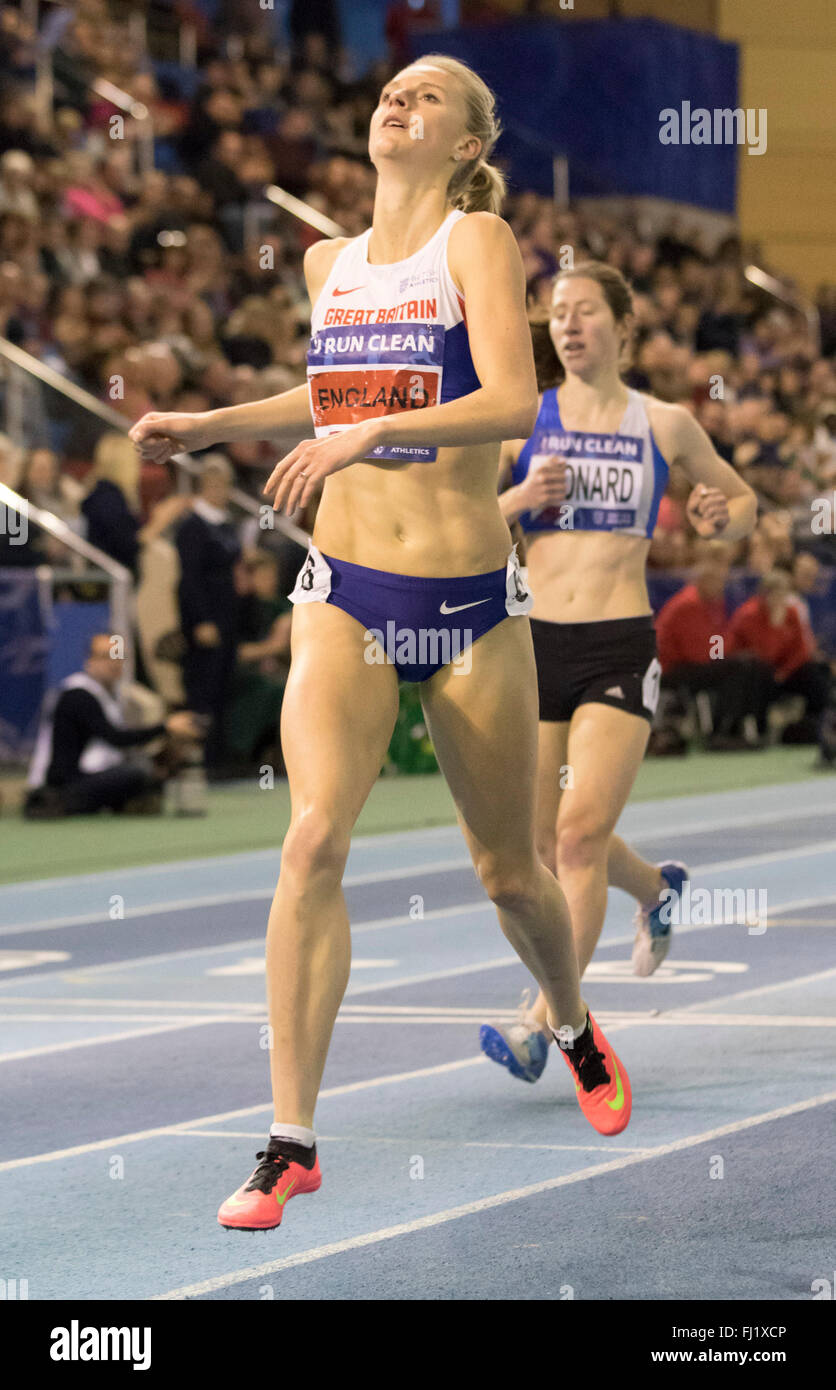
512 884
582 840
315 847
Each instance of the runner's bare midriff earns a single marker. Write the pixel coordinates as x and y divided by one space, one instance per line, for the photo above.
433 519
587 576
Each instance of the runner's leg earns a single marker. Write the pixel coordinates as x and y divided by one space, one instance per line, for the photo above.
483 724
337 718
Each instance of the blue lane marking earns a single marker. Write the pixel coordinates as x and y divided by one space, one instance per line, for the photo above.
460 939
257 871
687 1079
662 1230
163 1212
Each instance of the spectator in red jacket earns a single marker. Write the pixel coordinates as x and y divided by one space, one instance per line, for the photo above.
769 628
691 632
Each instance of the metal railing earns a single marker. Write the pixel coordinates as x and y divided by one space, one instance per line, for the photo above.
119 578
297 207
788 298
138 111
25 362
48 39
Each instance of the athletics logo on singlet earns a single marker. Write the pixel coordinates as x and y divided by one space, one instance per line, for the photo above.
373 369
603 479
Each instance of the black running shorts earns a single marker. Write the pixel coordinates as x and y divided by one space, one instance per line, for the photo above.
608 663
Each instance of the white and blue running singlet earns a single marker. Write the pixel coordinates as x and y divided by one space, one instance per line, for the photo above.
614 482
388 338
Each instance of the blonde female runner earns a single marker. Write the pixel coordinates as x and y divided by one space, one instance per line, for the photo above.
586 487
420 363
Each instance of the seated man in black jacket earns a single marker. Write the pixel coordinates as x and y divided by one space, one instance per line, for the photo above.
78 765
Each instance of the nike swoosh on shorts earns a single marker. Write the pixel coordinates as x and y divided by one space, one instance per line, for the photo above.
459 606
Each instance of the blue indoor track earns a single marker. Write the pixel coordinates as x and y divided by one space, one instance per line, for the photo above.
136 1089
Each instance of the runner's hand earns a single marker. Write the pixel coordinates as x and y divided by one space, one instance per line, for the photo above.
545 484
296 477
158 435
708 510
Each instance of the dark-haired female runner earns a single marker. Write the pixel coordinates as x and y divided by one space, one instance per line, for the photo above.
585 486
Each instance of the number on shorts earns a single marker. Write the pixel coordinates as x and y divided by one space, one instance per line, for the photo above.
650 685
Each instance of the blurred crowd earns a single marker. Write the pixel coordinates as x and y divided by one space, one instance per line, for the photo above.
180 286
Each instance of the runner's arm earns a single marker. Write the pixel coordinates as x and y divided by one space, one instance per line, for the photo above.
511 504
686 443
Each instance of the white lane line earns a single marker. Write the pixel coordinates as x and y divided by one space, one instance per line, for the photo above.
739 822
393 1078
250 943
464 1010
751 861
86 919
108 1038
825 922
435 866
260 1008
420 1018
677 1018
25 959
696 1020
766 989
496 963
80 973
438 866
440 1218
613 941
820 901
26 1017
773 912
355 1085
254 965
384 839
406 1016
71 1002
432 914
429 1143
240 859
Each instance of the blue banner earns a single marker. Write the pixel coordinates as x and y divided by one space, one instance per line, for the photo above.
24 642
597 92
74 625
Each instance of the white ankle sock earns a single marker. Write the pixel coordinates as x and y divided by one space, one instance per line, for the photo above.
566 1034
297 1133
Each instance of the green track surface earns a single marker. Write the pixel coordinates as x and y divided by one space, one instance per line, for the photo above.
243 817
